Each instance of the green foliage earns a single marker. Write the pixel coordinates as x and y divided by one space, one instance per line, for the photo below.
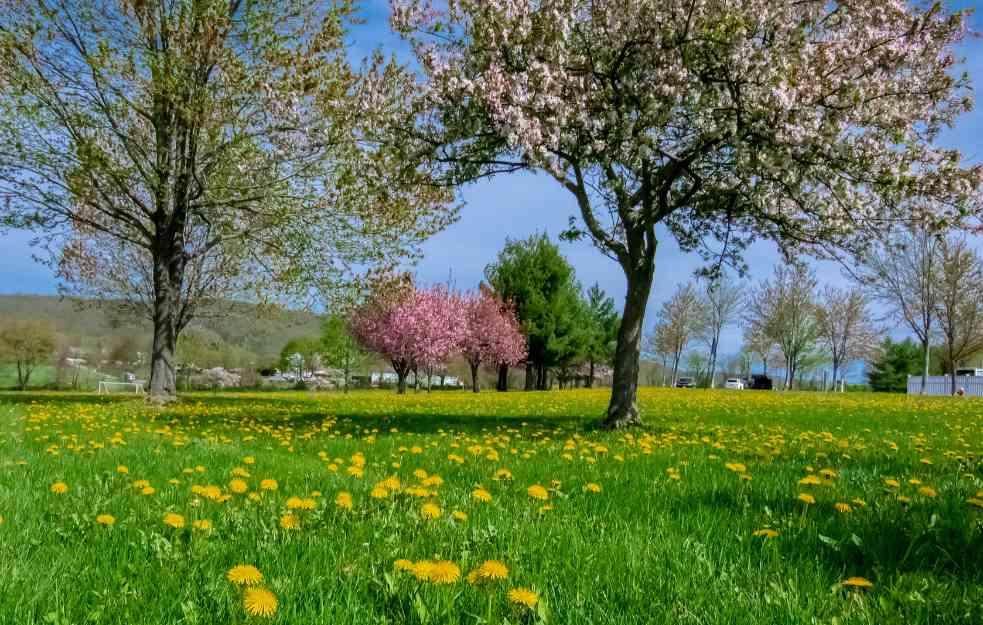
301 355
339 349
603 322
534 277
890 370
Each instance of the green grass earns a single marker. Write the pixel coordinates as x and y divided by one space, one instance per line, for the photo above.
648 548
41 376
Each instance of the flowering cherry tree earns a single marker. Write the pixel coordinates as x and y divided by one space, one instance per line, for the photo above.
413 329
493 336
810 123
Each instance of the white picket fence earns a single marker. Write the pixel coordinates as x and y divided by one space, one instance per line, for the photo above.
942 385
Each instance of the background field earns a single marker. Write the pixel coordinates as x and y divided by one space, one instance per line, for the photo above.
668 539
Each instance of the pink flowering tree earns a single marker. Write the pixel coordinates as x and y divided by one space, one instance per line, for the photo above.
809 123
493 336
414 329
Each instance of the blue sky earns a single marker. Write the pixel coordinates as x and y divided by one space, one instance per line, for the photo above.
519 205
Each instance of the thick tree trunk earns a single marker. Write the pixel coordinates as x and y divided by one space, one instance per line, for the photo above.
163 379
474 377
952 372
541 377
401 384
530 376
503 379
623 409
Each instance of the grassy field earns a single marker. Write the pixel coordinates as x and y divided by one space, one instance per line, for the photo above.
727 508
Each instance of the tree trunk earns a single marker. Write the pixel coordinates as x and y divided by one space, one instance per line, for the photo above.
713 360
530 376
925 363
623 409
952 372
541 377
589 382
503 379
474 377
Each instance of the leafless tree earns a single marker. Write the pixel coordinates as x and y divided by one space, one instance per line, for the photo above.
757 344
679 320
722 302
783 309
845 327
959 303
903 273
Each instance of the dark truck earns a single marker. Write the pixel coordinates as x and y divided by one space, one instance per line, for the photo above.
760 383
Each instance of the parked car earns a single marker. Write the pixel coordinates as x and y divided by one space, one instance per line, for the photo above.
685 383
734 384
761 383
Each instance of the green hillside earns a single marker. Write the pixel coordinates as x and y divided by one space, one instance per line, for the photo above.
88 326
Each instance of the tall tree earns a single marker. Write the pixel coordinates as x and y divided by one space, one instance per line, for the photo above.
175 152
783 309
845 327
680 318
722 302
960 303
902 272
602 330
27 344
339 348
533 277
801 122
659 345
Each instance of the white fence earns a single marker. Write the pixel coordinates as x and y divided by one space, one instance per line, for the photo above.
942 385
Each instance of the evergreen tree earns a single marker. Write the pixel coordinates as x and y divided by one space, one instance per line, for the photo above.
890 370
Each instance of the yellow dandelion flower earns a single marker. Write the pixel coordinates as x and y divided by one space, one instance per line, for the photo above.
807 499
269 484
736 467
290 522
422 570
480 494
492 570
259 602
174 520
249 460
244 575
59 488
203 525
403 565
122 469
430 511
765 533
238 486
892 483
459 516
105 519
343 500
928 491
444 572
857 582
523 596
842 507
148 490
591 487
810 480
538 492
503 474
379 492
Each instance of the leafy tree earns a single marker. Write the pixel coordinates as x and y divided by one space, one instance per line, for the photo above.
411 328
602 330
301 355
179 153
889 371
339 347
539 283
809 124
493 334
27 344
